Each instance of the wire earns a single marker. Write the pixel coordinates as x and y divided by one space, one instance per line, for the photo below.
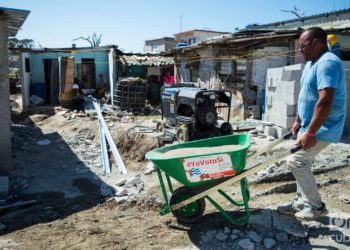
201 59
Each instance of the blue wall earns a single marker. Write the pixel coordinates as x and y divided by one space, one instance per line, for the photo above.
37 63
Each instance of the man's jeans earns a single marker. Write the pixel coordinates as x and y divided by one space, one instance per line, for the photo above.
300 165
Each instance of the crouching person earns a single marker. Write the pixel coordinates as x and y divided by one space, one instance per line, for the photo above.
77 102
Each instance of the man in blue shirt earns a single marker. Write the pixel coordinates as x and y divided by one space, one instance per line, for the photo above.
320 119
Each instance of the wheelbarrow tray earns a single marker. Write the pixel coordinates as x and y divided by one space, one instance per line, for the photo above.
184 168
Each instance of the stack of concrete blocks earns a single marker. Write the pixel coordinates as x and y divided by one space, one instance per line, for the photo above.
282 91
347 79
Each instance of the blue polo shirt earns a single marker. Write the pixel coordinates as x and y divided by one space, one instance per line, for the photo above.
326 72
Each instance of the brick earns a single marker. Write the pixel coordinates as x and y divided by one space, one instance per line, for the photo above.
270 131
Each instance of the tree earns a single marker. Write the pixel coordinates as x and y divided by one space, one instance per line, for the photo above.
23 43
94 40
295 11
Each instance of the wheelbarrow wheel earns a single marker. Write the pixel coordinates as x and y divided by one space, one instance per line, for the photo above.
191 212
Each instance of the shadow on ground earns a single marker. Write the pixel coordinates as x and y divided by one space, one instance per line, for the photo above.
52 175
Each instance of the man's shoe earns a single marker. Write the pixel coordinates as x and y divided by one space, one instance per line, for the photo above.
310 213
289 209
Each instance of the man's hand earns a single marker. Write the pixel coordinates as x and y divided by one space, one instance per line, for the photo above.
296 127
307 141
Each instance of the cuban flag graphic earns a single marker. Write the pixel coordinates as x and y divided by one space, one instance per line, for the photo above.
195 171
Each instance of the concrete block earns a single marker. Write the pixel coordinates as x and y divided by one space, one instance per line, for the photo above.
269 101
270 131
271 90
289 87
285 98
281 131
284 109
288 98
133 181
347 74
269 82
346 64
291 75
275 74
4 186
299 66
282 121
265 117
254 111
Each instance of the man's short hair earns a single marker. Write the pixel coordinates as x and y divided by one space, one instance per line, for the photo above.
318 34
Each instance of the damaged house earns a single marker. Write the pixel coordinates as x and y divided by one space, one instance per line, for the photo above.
50 73
150 69
240 62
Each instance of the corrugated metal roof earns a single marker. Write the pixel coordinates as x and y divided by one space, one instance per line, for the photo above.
247 38
333 25
16 18
146 60
332 14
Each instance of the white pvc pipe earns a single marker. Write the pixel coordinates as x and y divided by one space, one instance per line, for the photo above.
109 138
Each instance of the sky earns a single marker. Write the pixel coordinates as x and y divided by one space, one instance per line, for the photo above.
128 23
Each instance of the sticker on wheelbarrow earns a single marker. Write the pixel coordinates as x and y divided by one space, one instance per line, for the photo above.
208 167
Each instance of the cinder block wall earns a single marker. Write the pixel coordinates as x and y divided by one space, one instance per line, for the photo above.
282 91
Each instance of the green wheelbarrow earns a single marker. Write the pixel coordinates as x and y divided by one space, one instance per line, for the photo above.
204 173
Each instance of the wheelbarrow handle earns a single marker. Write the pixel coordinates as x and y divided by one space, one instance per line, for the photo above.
271 145
296 149
287 135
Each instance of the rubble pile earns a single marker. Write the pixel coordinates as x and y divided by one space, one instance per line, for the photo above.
268 229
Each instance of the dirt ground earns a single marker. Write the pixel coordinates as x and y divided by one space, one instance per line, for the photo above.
70 212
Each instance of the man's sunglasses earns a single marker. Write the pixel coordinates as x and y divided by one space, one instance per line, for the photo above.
303 45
